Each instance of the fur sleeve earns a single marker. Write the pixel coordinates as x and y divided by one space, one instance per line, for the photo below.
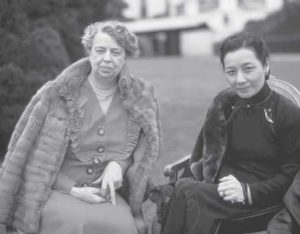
25 115
145 156
28 124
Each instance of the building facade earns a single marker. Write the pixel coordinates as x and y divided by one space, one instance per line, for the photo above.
191 27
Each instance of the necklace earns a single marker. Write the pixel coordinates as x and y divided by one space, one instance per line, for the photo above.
102 94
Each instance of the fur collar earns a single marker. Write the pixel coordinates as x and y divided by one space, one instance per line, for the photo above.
215 134
139 99
137 96
214 137
223 110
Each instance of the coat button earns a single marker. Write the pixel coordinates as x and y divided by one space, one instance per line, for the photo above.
96 161
101 131
89 171
101 149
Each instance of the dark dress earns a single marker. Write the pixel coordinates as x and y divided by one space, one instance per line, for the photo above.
262 150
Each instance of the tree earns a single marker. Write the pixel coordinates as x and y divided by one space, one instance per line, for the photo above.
282 22
37 40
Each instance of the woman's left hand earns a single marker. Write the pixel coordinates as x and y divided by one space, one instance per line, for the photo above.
230 189
111 179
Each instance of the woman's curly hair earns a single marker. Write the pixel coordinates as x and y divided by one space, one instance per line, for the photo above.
118 31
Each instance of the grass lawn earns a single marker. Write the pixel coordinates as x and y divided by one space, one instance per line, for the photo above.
185 87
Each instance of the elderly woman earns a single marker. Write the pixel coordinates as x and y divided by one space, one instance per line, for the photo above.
92 130
248 150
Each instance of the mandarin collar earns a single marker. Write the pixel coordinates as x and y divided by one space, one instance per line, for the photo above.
263 95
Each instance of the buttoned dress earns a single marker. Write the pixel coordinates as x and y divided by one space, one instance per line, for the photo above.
102 138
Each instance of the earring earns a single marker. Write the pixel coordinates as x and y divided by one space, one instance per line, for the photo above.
267 74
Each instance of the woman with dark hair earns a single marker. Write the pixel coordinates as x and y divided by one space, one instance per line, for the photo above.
85 137
247 152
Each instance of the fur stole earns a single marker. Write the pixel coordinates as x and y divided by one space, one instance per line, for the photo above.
207 160
54 114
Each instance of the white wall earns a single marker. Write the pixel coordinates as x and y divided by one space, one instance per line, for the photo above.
134 9
196 42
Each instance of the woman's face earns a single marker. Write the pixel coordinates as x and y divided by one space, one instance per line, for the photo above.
244 72
107 57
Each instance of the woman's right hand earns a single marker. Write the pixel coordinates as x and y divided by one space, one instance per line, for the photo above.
88 194
230 189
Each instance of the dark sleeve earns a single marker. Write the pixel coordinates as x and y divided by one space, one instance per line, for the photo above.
288 135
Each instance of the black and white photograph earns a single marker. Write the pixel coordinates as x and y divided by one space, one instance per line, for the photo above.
149 116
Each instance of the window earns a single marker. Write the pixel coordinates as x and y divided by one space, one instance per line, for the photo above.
207 5
180 9
252 4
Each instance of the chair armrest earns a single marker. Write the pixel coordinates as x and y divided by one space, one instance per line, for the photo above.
257 214
254 221
171 170
286 89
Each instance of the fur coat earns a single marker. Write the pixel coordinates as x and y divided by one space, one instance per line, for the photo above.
38 144
212 140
